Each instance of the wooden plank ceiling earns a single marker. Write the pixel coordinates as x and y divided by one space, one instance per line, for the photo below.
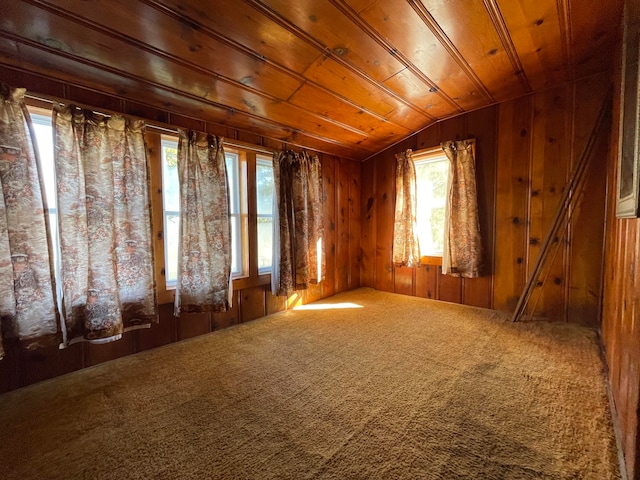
346 77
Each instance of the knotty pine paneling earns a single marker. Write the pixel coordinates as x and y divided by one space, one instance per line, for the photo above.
343 264
355 225
252 303
511 201
342 246
103 352
230 317
330 221
368 231
384 211
482 123
550 162
620 307
525 150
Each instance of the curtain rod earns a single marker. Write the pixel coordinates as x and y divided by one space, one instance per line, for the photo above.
163 128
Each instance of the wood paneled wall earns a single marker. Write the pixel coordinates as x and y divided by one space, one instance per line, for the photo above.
341 184
621 307
526 149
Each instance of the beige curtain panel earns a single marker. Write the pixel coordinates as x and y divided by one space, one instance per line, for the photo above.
463 255
406 249
27 299
299 258
106 263
204 257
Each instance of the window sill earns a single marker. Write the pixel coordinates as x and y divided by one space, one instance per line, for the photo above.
169 294
429 260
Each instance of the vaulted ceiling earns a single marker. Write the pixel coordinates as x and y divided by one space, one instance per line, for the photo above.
347 77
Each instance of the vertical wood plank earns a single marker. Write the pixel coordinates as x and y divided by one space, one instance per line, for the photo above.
550 162
481 125
230 317
275 303
252 304
314 293
342 226
99 353
587 233
161 333
368 228
354 225
449 288
48 362
512 191
193 324
329 198
9 367
403 280
385 201
427 281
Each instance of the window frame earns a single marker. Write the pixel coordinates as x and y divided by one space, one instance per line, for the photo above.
246 165
428 155
238 210
247 160
167 141
263 160
42 116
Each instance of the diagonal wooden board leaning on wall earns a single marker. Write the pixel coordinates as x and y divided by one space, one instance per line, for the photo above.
566 208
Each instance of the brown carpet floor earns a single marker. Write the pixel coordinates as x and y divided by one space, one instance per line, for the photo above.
402 388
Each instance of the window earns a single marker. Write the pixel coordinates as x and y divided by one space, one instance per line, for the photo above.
236 176
171 208
432 170
41 120
264 202
245 258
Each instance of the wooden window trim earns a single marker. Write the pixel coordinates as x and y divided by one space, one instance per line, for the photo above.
430 260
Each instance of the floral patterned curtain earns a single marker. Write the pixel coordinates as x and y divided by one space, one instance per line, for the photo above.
106 264
463 255
204 261
298 228
406 249
27 299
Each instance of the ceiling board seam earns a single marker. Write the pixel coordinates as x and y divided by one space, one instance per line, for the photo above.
275 17
155 124
172 58
231 110
496 104
448 45
364 26
564 10
503 32
252 53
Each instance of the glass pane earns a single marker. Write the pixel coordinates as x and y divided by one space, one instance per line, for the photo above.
431 179
44 140
170 182
236 246
232 177
264 188
265 242
171 239
53 226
